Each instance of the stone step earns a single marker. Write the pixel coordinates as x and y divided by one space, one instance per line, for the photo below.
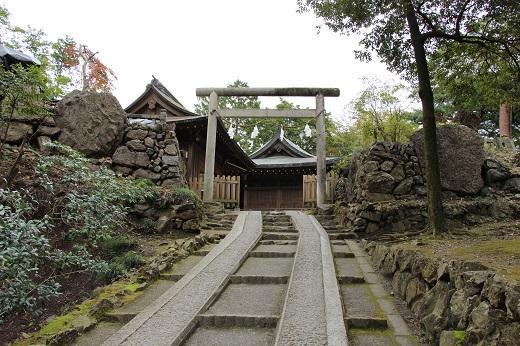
259 279
371 337
279 242
266 266
99 334
128 311
272 251
360 303
364 322
232 336
345 279
181 268
279 236
347 267
226 321
279 229
341 235
342 251
203 251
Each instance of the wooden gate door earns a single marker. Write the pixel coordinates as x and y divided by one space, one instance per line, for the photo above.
271 198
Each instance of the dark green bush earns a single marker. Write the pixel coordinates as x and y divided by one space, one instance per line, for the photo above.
130 260
116 246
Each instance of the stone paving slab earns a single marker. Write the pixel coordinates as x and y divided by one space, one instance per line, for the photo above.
231 321
246 299
273 251
278 242
172 316
360 302
148 296
232 336
99 334
203 251
369 338
342 251
348 270
270 267
279 236
181 268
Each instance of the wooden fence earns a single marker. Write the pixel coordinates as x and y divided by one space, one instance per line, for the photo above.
309 189
226 189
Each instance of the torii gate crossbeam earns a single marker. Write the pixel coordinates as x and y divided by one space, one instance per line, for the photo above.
319 113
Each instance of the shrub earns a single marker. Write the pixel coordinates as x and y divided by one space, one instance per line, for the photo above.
130 260
88 207
97 202
185 194
110 272
118 245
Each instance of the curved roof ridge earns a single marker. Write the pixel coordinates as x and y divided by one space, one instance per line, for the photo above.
291 147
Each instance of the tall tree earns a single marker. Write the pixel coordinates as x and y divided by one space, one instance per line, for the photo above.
404 33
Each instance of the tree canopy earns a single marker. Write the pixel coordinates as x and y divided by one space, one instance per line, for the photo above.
67 64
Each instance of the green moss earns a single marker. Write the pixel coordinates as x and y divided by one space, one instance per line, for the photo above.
126 291
459 337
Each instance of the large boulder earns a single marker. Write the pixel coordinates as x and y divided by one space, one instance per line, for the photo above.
16 132
91 122
461 155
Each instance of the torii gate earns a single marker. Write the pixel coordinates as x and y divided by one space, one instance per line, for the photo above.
319 113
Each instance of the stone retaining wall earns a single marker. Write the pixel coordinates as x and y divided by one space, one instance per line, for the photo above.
150 151
406 215
452 295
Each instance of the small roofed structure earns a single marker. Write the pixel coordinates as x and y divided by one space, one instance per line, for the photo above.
276 182
157 101
9 57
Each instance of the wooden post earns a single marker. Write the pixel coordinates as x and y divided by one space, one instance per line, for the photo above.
321 167
211 141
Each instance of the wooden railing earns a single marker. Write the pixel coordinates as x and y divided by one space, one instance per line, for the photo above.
226 189
309 189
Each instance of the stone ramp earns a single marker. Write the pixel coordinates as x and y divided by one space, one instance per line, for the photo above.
311 315
171 317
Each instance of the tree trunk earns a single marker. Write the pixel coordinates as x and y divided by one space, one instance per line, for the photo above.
433 177
505 119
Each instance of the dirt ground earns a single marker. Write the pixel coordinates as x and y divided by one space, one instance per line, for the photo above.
494 244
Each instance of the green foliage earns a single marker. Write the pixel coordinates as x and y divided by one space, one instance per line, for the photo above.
109 272
380 115
118 245
23 249
119 266
130 260
96 204
87 207
185 194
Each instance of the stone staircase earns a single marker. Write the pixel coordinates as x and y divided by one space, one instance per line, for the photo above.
370 314
335 231
218 220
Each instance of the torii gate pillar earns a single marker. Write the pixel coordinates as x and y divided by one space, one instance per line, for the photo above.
211 141
321 166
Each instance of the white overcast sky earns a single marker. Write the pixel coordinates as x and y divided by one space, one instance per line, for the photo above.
206 43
